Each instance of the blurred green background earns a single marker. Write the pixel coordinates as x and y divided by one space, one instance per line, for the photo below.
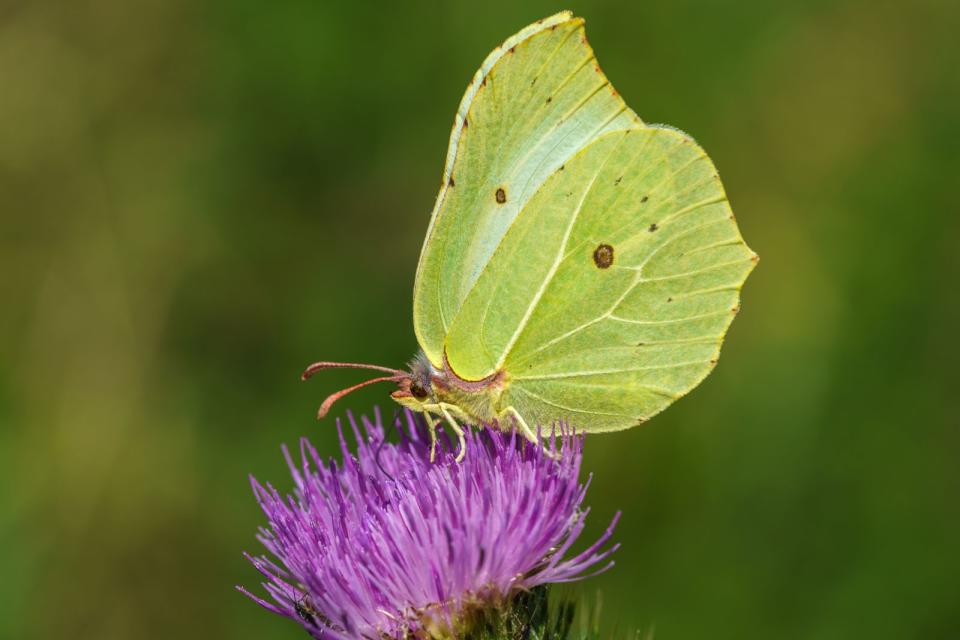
199 198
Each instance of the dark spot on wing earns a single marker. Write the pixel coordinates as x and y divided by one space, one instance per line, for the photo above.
603 256
549 99
451 182
617 181
561 167
653 227
669 299
500 195
512 48
644 199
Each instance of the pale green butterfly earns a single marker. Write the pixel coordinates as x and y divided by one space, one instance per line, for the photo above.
580 265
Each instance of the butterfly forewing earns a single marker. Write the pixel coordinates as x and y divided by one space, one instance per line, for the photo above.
536 101
610 294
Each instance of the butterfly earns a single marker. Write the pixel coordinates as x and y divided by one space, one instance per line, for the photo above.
579 265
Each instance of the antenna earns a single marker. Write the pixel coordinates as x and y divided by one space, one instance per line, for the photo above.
320 366
397 375
333 397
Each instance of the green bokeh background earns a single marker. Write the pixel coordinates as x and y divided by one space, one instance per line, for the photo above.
197 198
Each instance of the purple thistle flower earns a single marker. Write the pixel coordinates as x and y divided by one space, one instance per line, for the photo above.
389 544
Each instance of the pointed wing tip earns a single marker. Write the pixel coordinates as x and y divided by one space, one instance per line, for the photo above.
561 17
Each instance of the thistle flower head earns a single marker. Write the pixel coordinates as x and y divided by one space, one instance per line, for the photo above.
388 544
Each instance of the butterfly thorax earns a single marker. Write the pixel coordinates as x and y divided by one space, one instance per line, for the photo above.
428 385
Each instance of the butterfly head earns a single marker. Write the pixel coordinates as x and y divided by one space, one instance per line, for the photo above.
414 387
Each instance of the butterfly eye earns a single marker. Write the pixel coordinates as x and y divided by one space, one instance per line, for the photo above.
418 391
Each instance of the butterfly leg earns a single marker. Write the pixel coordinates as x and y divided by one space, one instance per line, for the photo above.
443 409
528 432
432 428
521 423
457 429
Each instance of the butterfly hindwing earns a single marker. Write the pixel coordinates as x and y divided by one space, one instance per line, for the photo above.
609 296
536 101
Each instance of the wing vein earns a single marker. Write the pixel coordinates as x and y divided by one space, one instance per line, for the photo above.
522 120
600 372
556 263
566 408
693 273
670 241
662 322
654 190
564 138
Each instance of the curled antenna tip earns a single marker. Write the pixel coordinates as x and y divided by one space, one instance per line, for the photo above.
333 397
